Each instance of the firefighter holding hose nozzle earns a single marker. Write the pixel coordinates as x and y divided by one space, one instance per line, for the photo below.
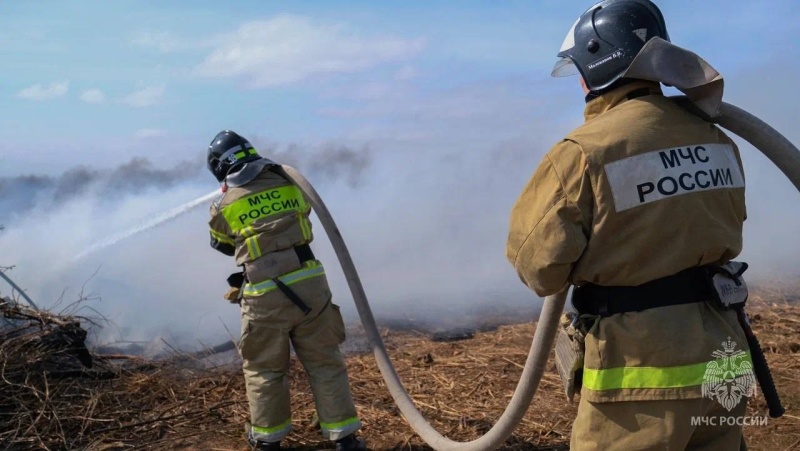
641 209
262 220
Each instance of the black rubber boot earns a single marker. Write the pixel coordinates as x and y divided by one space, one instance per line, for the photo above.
265 446
351 443
258 445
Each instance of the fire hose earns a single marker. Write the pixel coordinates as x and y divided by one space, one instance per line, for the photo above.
19 290
763 137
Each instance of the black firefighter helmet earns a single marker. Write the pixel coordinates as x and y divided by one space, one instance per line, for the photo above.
606 38
233 159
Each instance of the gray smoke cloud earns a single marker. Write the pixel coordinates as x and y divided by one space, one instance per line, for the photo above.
329 162
22 193
334 160
423 208
151 284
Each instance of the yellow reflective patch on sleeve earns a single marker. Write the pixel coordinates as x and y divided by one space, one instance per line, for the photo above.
247 232
253 248
305 225
221 237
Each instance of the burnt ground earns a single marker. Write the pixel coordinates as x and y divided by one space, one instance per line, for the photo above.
461 386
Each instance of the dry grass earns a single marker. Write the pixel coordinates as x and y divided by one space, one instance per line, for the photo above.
461 387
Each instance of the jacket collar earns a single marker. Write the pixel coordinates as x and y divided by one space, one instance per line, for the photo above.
609 100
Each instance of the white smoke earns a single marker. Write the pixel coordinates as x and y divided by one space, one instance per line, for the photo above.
130 242
424 212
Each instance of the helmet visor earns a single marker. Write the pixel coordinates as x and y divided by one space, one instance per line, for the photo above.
564 68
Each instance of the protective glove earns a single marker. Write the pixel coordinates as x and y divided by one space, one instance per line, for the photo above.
234 293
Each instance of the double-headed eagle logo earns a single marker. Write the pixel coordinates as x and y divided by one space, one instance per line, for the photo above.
730 377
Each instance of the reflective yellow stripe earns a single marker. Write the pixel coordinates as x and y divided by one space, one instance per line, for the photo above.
253 248
271 434
305 225
247 232
221 237
244 211
648 377
271 430
312 268
244 153
340 424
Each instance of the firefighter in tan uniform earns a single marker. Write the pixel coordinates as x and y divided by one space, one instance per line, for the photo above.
633 208
262 221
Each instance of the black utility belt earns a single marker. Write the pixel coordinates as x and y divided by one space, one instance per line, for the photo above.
720 284
303 252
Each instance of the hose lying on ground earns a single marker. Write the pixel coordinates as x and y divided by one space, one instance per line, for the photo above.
531 374
776 147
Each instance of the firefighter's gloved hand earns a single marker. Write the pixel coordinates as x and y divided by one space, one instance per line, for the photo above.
233 295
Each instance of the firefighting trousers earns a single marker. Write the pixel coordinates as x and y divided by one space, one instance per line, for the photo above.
674 425
270 322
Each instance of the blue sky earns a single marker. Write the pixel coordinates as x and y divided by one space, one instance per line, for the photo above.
451 104
114 71
108 79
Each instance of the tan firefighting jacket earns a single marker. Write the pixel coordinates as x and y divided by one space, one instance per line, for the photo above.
642 190
260 223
